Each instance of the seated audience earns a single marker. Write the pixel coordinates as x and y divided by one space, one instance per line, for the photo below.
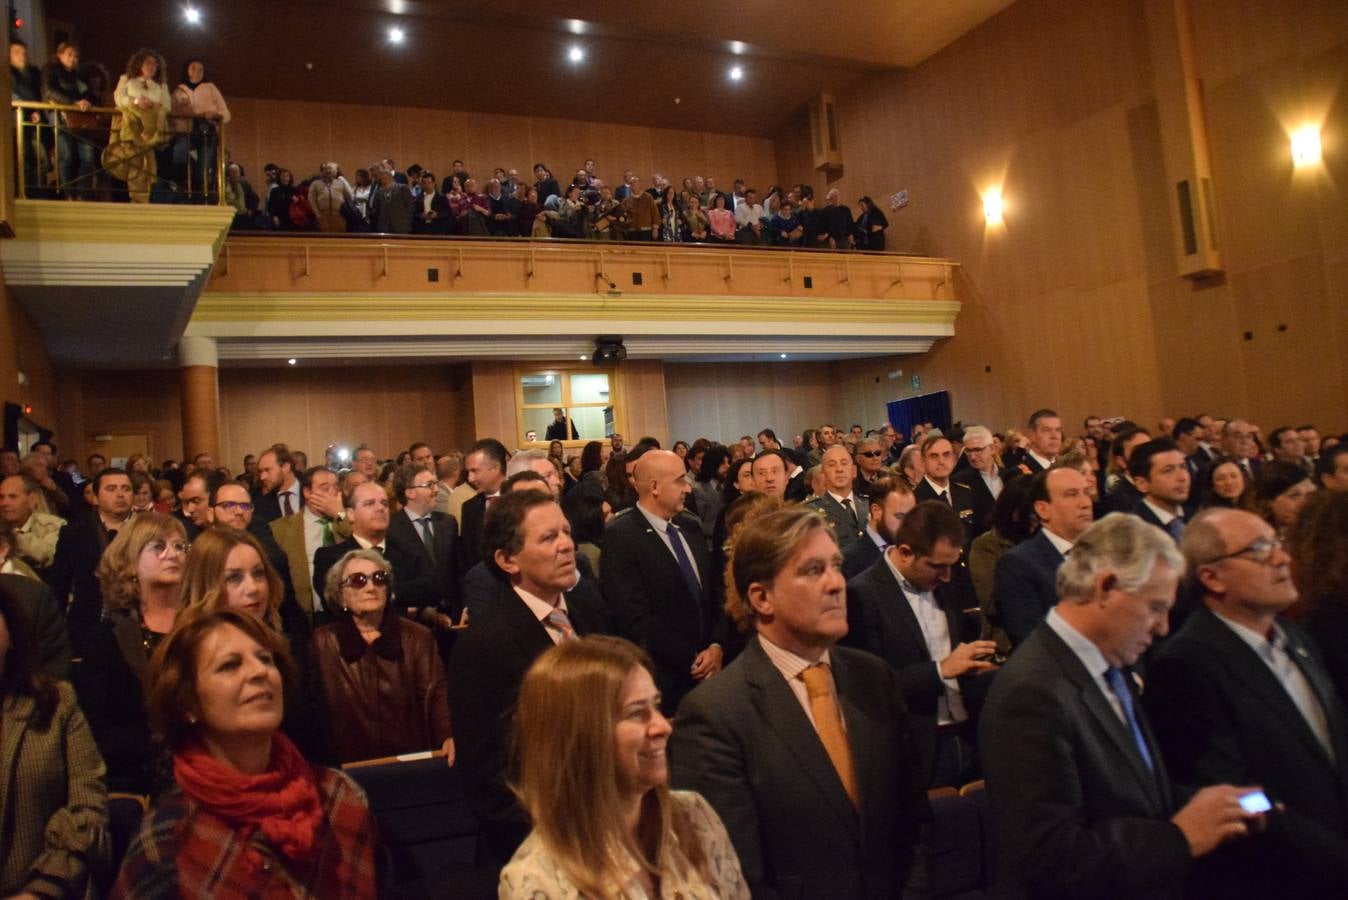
141 575
247 815
1239 695
1222 483
1013 522
381 674
1082 805
589 707
1331 468
751 739
53 802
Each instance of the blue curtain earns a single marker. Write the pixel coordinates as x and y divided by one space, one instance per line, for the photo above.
933 408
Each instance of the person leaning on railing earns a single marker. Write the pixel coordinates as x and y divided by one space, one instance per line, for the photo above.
143 99
197 97
75 158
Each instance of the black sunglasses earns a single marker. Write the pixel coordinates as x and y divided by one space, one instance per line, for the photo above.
360 579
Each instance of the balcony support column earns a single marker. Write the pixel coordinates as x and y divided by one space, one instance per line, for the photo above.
199 386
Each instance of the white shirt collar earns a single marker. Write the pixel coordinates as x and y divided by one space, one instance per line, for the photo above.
1061 544
842 501
1046 463
1078 643
936 487
366 545
658 522
1160 512
786 662
537 605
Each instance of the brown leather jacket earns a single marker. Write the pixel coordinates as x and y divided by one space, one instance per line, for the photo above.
387 697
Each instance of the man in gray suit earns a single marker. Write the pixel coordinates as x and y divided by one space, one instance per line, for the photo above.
845 510
1081 802
804 748
391 205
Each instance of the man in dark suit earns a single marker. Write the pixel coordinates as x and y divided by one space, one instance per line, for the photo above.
415 585
539 604
1082 805
1045 435
1124 496
657 577
78 550
1160 472
901 609
418 527
281 494
1238 443
486 463
771 470
869 457
194 503
804 748
979 476
1240 695
391 204
430 208
557 428
839 503
1187 435
938 462
1023 584
891 499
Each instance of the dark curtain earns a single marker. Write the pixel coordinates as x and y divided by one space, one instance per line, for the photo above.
933 408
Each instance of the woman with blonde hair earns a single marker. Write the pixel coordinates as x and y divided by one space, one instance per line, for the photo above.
228 569
592 773
141 575
143 99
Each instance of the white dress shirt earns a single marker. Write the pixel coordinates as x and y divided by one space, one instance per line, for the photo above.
994 483
542 609
661 527
1090 657
1273 651
936 632
294 492
313 539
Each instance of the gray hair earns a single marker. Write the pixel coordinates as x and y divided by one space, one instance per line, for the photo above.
1203 540
977 431
1118 543
523 459
908 453
332 585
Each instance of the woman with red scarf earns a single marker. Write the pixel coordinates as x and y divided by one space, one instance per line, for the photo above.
248 816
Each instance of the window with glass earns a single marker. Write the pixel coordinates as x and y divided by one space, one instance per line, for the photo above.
565 405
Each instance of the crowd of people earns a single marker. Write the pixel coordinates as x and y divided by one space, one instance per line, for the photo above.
384 199
722 669
162 144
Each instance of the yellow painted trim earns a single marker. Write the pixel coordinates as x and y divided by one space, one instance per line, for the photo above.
505 306
121 223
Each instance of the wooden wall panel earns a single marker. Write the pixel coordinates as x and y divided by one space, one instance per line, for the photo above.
722 401
22 350
300 135
1075 301
644 399
136 402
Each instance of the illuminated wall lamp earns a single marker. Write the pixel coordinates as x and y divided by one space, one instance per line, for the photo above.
1306 146
992 206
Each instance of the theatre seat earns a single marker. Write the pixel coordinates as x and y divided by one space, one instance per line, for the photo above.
958 865
428 833
124 814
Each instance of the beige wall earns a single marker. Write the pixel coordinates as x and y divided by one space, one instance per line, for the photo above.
1075 302
722 401
22 350
299 136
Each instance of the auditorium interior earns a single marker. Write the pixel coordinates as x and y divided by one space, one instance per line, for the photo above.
1100 207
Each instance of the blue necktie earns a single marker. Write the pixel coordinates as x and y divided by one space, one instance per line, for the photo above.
1176 528
685 564
1115 679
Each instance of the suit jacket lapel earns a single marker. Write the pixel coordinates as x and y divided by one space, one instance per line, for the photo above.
1109 722
1246 667
780 709
894 606
530 636
1330 702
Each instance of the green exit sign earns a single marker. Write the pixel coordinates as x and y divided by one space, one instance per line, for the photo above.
917 382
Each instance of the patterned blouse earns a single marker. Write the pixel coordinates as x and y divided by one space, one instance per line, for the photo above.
533 874
184 851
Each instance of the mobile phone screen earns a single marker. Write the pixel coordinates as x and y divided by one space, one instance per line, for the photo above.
1255 802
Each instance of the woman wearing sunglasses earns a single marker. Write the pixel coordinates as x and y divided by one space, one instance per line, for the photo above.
381 673
141 576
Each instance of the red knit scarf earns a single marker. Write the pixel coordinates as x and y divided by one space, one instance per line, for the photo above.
283 801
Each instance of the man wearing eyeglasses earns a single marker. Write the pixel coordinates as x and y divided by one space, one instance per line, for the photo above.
422 530
980 476
1240 694
869 458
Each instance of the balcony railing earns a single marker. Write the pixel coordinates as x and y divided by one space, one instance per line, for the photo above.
104 153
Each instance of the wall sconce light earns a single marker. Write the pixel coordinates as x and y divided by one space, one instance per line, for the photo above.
1306 146
992 206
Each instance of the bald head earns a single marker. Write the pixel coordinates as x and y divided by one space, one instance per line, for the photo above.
660 483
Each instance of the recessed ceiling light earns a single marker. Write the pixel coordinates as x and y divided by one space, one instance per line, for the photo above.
575 54
783 356
396 35
291 361
583 356
736 73
192 15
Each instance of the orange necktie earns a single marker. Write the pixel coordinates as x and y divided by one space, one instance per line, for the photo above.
828 721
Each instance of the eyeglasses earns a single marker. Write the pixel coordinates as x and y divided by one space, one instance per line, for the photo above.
360 579
424 484
161 548
235 506
871 453
1261 551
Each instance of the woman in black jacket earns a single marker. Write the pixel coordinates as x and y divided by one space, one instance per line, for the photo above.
869 229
